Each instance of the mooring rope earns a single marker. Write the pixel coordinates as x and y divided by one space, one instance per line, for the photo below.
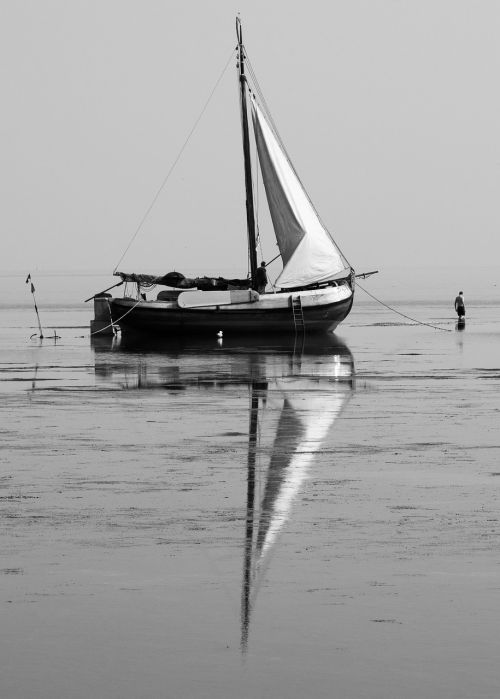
414 320
172 167
390 308
115 322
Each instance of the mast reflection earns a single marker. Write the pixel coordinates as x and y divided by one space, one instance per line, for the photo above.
309 400
296 393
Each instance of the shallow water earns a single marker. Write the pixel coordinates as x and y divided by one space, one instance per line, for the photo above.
234 519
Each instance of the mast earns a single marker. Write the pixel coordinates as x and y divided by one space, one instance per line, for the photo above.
252 252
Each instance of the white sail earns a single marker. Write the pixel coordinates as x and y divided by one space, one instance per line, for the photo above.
308 252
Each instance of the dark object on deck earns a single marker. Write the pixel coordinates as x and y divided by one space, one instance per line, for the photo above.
261 278
178 281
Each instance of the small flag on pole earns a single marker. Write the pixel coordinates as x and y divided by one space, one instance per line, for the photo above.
28 280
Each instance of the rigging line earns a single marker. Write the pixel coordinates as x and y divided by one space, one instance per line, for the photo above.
264 103
271 121
172 167
113 323
257 202
420 322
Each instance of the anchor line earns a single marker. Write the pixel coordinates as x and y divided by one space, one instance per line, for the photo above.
414 320
113 323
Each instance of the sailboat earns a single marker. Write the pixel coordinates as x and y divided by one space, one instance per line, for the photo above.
314 290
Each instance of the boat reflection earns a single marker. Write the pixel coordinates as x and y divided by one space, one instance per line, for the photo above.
177 364
296 392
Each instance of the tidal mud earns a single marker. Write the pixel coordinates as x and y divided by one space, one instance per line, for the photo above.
235 519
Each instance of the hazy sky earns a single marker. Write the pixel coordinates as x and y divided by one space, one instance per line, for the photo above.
389 110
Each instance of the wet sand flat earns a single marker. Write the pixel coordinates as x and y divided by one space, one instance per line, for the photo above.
222 520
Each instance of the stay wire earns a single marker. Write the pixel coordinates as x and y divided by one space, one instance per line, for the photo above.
414 320
160 189
256 191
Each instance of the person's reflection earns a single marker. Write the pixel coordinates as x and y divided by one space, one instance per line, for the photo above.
460 327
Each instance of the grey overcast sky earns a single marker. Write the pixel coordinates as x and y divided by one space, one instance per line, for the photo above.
389 110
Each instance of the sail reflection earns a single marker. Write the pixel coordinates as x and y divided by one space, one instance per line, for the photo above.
308 405
296 393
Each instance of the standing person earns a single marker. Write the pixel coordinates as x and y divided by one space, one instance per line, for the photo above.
460 305
261 278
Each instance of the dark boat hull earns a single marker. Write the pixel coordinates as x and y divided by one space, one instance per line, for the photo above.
151 320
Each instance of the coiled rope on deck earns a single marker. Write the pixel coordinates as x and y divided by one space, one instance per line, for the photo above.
414 320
